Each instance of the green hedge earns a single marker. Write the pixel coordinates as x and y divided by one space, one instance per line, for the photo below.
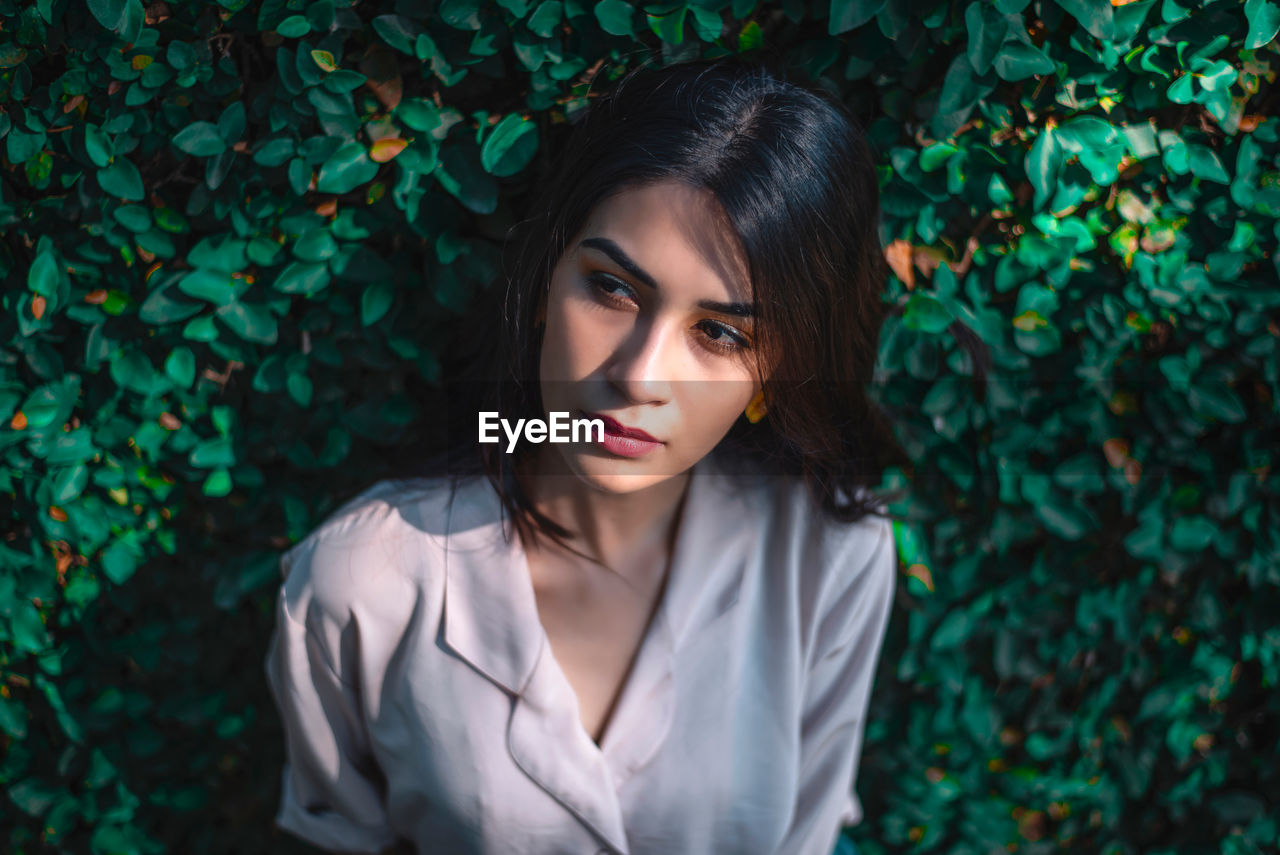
235 239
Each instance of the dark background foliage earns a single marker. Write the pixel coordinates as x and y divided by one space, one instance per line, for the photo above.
235 238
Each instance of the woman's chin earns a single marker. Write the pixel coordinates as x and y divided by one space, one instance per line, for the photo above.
610 473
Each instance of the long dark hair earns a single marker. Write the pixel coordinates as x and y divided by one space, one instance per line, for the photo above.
797 181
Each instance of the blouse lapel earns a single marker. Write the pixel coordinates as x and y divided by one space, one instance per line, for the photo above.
487 620
491 619
704 583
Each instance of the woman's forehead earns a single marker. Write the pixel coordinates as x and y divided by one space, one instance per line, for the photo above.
677 234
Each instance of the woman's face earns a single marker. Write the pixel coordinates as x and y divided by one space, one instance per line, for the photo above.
649 323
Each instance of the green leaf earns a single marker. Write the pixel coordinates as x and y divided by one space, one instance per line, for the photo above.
614 17
252 322
212 453
26 627
1192 534
1018 61
201 329
1063 518
274 152
460 14
375 302
302 278
998 191
122 179
751 37
217 484
21 146
952 630
348 168
231 124
215 286
1218 76
97 145
299 387
70 482
315 245
1043 163
397 31
961 90
544 19
461 174
510 146
299 176
13 721
418 114
120 560
42 278
1217 401
1096 16
109 13
135 218
181 366
294 27
935 156
669 26
1264 22
1179 91
134 371
987 29
1205 163
200 139
845 15
926 313
160 308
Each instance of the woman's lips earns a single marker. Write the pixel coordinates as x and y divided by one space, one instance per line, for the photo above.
622 440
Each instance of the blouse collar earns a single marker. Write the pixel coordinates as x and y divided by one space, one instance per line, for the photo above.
490 612
491 620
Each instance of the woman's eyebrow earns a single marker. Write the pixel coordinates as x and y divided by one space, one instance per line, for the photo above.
627 263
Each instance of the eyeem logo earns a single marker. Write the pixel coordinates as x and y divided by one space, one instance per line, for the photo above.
560 429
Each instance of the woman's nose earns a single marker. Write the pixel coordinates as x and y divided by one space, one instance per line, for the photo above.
644 365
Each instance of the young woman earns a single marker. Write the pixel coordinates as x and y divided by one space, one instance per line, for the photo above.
659 640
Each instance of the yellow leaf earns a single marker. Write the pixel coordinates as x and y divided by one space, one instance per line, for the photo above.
386 149
324 59
140 62
921 573
898 255
1029 320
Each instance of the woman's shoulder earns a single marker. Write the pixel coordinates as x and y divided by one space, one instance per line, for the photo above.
785 506
377 546
825 558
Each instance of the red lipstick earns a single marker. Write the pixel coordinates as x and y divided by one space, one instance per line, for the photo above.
622 440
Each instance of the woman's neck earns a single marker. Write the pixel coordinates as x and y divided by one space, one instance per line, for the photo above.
614 528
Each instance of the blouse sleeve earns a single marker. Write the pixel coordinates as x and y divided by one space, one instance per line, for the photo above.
331 794
837 691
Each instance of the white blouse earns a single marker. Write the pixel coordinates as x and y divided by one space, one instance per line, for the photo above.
421 700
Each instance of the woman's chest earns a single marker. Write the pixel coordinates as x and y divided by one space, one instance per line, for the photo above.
595 637
700 751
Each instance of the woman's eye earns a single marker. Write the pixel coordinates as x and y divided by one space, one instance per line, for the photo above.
724 338
612 290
